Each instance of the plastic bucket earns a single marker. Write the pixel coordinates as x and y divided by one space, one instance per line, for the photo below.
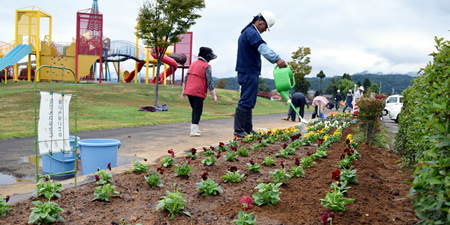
97 153
60 161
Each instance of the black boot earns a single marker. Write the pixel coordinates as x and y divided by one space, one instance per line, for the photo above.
249 122
239 122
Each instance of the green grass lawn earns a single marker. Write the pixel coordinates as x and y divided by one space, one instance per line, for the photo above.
114 105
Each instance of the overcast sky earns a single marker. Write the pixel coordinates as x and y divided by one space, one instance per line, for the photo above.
347 36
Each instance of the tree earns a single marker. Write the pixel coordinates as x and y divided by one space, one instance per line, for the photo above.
302 85
374 88
344 85
221 83
300 68
262 85
358 83
331 89
346 76
367 84
160 22
321 75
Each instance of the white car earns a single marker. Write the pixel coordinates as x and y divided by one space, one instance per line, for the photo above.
391 102
394 112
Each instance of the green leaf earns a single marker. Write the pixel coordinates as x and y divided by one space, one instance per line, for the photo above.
187 213
434 181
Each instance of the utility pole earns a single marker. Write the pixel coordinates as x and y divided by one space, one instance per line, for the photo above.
379 92
393 89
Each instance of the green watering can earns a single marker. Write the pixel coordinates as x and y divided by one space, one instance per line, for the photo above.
284 82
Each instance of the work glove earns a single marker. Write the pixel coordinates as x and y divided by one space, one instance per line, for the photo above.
289 101
307 106
213 93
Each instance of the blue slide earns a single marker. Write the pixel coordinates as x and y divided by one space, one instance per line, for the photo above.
15 55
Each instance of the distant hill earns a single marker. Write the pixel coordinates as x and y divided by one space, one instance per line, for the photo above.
397 81
389 81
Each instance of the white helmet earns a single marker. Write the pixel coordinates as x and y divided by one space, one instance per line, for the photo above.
268 17
338 90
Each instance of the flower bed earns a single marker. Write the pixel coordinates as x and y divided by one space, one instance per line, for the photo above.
379 182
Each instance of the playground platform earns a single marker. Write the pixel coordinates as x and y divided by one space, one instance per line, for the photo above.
151 142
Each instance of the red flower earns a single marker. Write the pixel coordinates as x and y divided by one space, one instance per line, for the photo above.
46 178
205 175
258 139
284 146
221 144
308 153
251 162
160 170
97 178
193 150
145 159
325 217
212 148
336 175
247 202
282 163
7 199
342 156
109 166
233 148
218 155
297 162
171 152
348 146
233 169
204 149
349 153
189 161
347 141
242 141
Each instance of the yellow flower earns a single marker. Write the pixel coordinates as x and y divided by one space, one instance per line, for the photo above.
325 137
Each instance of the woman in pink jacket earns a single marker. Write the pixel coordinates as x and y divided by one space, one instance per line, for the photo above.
196 82
320 102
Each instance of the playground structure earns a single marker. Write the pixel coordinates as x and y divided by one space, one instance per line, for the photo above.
84 52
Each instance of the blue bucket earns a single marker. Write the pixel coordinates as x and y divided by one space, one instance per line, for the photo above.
60 161
97 153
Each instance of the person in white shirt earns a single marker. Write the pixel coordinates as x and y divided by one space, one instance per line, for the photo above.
359 93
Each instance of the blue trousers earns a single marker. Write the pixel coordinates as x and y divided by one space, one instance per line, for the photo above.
249 90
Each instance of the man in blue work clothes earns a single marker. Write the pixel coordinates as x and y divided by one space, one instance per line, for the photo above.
248 66
338 99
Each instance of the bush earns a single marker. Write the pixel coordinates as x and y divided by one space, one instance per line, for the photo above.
369 111
423 137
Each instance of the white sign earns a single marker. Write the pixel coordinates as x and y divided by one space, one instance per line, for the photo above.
53 126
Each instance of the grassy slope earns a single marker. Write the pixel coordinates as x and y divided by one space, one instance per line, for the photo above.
108 106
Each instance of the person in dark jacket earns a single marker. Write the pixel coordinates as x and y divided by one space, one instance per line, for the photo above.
196 82
338 99
348 101
248 67
299 101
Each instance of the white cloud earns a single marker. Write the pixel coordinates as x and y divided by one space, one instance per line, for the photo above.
346 36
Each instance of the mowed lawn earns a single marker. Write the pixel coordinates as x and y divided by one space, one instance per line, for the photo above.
113 105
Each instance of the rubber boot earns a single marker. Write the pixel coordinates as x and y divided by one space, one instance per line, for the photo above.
194 130
249 122
239 122
321 115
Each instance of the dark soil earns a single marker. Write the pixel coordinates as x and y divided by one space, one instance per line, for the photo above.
380 182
